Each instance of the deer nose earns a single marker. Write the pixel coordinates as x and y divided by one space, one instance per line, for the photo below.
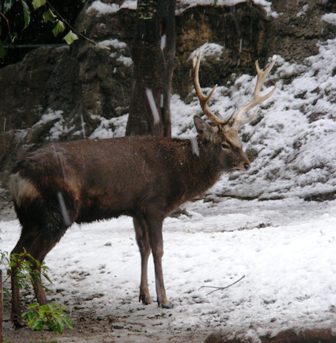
247 166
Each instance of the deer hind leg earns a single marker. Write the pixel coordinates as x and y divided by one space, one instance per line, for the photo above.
154 223
144 247
37 239
52 231
28 240
39 250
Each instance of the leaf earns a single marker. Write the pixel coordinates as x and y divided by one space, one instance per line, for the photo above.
58 28
26 14
13 37
50 315
70 37
48 16
38 3
58 324
68 322
47 277
8 4
36 325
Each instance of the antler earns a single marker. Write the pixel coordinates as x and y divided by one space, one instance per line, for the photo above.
238 120
203 99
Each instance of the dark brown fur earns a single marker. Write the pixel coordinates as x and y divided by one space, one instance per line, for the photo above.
143 177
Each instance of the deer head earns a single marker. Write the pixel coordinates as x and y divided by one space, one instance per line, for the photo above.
225 132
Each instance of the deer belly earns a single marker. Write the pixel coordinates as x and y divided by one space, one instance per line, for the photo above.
104 205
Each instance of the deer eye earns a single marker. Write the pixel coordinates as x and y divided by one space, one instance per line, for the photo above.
226 146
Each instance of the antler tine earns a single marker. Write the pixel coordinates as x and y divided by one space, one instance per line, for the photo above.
262 74
203 99
238 119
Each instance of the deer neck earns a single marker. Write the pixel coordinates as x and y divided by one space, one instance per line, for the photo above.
201 168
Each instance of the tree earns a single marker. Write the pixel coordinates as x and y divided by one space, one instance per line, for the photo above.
153 54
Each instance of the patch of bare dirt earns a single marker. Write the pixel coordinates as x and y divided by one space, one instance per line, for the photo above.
102 330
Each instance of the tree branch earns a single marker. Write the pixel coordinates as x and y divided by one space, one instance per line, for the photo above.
69 25
7 22
222 288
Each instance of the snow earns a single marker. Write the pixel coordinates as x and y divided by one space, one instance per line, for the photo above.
126 61
109 128
119 49
303 11
49 116
285 250
208 49
329 18
100 8
115 43
58 127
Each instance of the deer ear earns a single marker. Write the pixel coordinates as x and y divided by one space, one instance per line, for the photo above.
203 128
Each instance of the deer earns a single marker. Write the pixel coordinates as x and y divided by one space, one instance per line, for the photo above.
144 177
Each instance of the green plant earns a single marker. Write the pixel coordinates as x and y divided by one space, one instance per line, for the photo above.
27 269
37 317
49 316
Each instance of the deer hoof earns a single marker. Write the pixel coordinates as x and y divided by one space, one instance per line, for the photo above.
166 305
145 299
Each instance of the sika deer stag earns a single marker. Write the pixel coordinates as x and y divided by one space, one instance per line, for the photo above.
143 177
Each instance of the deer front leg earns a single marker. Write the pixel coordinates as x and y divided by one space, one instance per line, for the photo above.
143 243
154 225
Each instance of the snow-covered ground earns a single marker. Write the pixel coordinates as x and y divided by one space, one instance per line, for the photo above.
284 248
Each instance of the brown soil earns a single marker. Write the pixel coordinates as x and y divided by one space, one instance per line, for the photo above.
90 328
